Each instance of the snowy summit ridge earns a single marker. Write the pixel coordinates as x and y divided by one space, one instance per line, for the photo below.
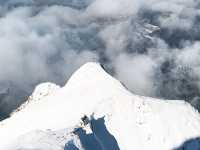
41 91
95 111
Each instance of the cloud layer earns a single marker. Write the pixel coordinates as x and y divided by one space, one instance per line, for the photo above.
152 46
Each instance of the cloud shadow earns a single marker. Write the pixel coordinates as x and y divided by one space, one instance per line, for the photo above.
99 139
191 144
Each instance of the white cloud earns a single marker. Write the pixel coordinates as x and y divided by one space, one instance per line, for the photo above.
48 40
137 73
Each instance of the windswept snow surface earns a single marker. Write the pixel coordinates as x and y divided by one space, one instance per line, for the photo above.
46 140
132 121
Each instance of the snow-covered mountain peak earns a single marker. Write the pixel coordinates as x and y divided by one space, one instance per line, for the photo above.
89 71
117 118
95 85
44 89
92 75
41 91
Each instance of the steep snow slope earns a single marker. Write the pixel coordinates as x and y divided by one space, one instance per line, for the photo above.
131 121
